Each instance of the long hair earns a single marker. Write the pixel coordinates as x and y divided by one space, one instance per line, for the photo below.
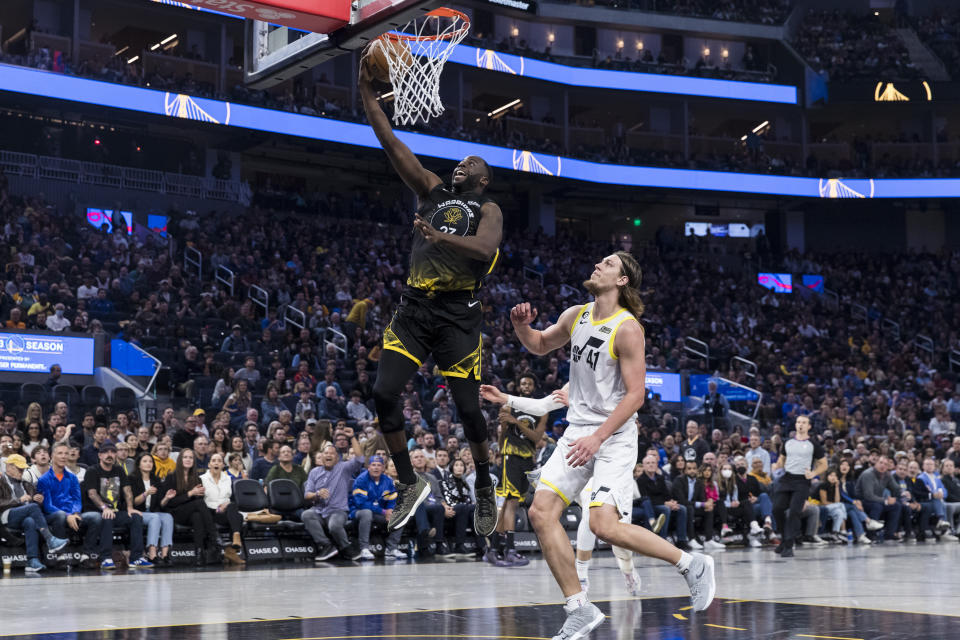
629 297
186 480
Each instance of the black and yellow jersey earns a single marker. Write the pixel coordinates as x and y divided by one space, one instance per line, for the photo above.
439 267
514 442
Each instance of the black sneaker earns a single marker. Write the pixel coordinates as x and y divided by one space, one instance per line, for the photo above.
486 514
327 552
408 499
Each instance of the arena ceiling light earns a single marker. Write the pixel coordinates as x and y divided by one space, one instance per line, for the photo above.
499 111
133 59
121 50
757 129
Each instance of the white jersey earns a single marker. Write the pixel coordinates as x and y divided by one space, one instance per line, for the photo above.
596 386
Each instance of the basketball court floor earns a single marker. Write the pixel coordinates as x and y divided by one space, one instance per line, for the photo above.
891 592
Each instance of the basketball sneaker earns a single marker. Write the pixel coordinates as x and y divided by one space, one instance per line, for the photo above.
409 497
486 514
700 578
580 622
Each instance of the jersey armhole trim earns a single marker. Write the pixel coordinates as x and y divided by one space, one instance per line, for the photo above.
613 335
576 320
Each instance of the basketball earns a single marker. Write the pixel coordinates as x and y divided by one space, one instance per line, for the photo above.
377 61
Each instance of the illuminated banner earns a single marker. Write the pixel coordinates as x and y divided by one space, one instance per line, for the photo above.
666 384
35 353
321 17
622 80
52 85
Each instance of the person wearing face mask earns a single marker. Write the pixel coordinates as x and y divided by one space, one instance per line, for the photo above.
800 454
57 321
734 506
759 504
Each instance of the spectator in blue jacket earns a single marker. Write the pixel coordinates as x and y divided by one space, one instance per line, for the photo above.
938 492
62 506
372 500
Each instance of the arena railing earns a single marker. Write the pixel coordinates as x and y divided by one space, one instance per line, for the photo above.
953 357
259 297
193 258
530 272
698 348
338 340
226 277
28 165
891 328
295 316
859 312
832 298
750 367
925 342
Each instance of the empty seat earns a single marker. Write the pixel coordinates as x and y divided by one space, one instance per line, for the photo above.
123 399
286 498
249 496
33 392
92 396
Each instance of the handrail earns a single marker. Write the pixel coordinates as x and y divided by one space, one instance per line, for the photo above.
567 291
924 342
226 276
751 366
858 312
299 319
703 346
536 274
759 393
111 175
260 297
193 257
954 359
156 371
892 327
337 336
832 297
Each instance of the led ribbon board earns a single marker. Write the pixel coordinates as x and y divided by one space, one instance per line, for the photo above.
52 85
622 80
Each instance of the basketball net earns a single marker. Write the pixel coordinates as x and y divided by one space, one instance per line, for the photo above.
416 77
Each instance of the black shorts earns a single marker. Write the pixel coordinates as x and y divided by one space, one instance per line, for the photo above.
513 479
446 325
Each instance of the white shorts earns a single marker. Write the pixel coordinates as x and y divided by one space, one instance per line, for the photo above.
610 472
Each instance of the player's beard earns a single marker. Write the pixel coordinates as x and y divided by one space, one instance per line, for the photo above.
470 183
592 287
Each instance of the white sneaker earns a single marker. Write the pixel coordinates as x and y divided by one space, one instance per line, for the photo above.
950 537
755 528
817 540
634 583
943 526
863 539
873 525
580 622
700 578
754 543
692 542
366 554
396 554
713 545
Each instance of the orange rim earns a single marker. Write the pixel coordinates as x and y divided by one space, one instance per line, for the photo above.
442 12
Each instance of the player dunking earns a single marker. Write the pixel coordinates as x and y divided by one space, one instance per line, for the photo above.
607 375
457 232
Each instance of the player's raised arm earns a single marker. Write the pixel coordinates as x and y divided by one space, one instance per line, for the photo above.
404 162
542 342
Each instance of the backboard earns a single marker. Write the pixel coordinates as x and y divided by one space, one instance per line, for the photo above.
277 49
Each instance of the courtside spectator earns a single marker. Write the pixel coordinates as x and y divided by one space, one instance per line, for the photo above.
217 491
62 505
106 490
182 494
371 502
269 450
328 490
145 485
871 486
20 511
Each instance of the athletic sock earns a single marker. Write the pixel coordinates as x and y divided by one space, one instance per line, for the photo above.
509 537
496 542
625 564
576 601
405 473
483 474
685 560
583 568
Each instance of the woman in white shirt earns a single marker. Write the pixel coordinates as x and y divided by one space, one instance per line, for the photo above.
217 490
145 485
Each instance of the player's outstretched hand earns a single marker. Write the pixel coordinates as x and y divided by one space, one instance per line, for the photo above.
365 78
523 314
426 229
583 450
491 394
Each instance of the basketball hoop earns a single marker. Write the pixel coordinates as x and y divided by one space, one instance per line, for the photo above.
416 78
